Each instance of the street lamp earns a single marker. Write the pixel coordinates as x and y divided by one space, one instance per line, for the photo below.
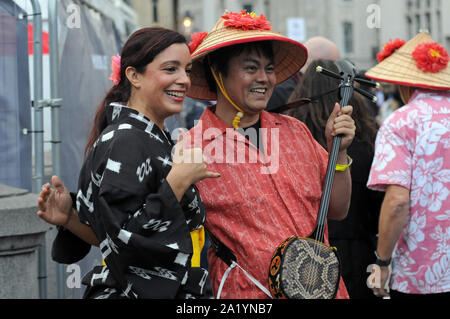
187 23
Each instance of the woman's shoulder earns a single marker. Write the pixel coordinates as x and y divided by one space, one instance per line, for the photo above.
117 134
125 142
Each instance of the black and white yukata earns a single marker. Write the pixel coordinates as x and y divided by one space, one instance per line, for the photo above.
144 232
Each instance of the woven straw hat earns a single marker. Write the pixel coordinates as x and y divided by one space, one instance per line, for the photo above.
402 67
289 55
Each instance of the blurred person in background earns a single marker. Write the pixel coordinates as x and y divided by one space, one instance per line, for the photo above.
373 106
392 102
318 48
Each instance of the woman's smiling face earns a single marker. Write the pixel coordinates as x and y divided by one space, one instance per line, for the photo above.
165 81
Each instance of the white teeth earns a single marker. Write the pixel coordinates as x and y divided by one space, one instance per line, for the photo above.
258 90
176 94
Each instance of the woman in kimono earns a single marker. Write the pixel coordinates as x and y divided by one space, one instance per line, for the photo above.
135 200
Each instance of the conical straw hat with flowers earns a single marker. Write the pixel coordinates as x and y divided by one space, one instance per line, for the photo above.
235 28
419 63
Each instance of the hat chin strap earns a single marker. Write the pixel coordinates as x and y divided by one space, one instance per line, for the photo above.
240 113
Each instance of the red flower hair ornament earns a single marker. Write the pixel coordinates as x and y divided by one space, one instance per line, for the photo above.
246 21
115 65
390 48
196 38
431 57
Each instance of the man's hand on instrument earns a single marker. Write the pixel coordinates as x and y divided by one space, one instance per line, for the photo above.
340 122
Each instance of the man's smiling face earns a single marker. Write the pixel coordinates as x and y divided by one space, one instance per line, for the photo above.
250 80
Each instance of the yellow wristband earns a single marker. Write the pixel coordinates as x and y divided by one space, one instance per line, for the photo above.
342 168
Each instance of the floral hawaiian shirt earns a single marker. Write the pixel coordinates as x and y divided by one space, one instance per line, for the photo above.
413 151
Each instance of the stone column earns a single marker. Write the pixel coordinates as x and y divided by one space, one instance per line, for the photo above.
21 234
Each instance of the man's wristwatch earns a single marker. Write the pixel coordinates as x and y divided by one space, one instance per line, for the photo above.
382 262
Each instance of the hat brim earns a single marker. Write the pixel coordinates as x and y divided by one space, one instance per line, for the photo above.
289 58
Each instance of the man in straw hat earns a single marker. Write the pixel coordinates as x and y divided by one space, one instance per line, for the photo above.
412 165
271 182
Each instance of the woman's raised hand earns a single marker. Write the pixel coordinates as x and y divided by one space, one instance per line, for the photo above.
188 167
55 204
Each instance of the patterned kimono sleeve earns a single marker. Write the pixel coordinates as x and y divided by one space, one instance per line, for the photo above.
392 164
146 240
67 248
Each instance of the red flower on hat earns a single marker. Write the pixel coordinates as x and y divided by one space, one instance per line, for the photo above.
196 38
246 21
390 48
431 57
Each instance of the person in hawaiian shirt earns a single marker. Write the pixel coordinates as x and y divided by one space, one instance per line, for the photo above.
412 165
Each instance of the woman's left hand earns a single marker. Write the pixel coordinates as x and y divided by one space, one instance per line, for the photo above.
340 122
55 204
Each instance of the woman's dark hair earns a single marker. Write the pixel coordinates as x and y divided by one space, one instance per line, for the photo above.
139 50
221 57
316 113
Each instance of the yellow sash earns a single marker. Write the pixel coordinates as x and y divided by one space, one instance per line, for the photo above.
198 241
